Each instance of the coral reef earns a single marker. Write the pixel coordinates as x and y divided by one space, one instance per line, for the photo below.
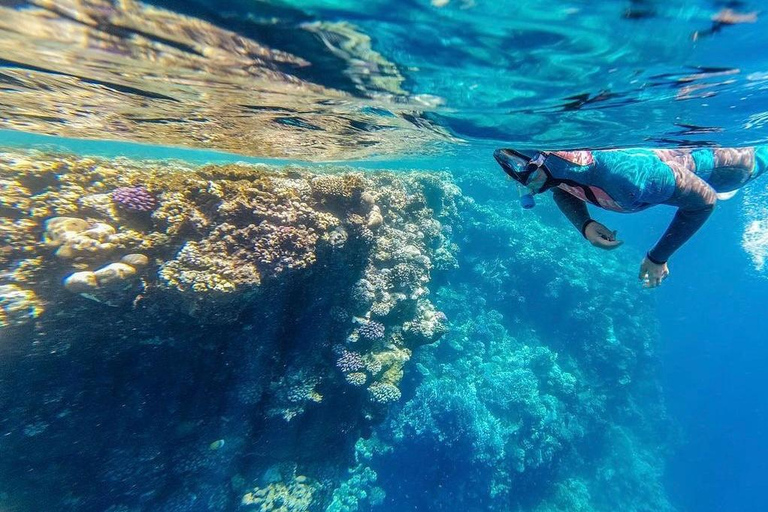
358 489
229 268
509 399
301 339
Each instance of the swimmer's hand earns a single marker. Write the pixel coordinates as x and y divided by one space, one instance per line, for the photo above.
651 274
600 236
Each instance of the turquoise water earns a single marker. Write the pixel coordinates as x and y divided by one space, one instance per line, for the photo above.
455 352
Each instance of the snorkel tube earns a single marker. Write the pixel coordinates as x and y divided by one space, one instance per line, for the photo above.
527 201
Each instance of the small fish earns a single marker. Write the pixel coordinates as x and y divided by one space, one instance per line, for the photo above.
216 444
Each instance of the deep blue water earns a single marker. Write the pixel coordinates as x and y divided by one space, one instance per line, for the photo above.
475 75
714 372
713 335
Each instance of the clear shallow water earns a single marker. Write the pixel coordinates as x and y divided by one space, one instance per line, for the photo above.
653 401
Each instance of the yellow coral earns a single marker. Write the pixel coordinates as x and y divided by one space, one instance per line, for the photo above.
13 196
392 361
178 213
18 306
339 186
18 238
101 204
60 202
294 496
26 270
201 272
131 239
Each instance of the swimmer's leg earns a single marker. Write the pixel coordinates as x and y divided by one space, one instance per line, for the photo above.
732 169
727 181
726 170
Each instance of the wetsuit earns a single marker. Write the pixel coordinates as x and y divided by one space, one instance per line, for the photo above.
631 180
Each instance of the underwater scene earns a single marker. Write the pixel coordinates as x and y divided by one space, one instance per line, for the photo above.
337 256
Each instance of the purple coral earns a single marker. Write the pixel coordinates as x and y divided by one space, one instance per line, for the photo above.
350 361
372 330
134 199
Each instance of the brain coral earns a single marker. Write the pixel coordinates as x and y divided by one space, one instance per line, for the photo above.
350 361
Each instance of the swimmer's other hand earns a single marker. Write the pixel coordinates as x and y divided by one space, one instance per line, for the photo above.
652 274
600 236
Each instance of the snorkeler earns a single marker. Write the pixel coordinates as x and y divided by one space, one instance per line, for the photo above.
630 180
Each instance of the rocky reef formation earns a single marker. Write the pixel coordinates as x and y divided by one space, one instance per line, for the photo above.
294 339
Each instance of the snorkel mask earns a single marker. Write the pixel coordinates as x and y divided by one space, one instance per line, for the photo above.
521 168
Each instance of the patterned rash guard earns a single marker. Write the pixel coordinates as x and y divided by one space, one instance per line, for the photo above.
630 180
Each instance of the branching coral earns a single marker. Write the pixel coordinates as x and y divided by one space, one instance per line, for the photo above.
134 199
372 330
384 393
350 361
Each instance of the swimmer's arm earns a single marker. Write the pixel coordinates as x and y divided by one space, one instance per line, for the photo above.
573 208
695 200
576 211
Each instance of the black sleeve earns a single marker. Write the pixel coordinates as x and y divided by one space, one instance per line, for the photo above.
695 200
573 208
